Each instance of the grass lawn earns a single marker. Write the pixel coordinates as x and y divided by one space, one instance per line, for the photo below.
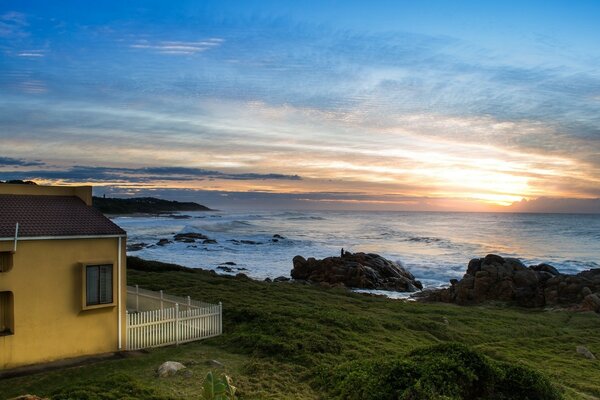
281 339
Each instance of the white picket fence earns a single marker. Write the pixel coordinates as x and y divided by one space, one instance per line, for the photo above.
156 319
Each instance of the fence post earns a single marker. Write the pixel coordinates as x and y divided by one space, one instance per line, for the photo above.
220 318
189 299
161 300
127 344
137 298
177 323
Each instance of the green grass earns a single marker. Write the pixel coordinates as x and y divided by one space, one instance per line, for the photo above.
280 339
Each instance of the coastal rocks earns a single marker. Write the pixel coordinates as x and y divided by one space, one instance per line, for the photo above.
136 246
190 237
169 368
163 242
358 270
494 278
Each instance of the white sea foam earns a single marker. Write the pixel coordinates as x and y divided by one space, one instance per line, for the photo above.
435 247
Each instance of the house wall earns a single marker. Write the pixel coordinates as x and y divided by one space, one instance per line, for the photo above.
47 285
83 192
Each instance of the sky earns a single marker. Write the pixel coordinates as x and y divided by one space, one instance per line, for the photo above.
379 105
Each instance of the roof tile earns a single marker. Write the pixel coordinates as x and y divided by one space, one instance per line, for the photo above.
52 216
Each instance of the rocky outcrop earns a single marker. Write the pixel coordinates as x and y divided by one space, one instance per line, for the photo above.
494 278
358 270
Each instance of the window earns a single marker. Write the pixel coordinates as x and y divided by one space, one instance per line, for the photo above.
6 261
98 284
6 314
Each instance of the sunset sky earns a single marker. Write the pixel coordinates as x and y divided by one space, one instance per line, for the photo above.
379 105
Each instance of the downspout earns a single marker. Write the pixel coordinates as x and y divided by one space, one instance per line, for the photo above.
119 289
16 236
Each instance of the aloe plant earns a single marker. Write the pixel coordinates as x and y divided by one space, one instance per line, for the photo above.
219 388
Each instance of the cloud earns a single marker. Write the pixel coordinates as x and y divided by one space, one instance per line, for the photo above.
178 47
18 162
129 175
12 24
557 205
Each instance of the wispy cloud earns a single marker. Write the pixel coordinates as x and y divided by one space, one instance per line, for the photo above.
128 175
18 162
13 24
178 47
32 53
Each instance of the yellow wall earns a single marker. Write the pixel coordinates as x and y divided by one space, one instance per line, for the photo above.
83 192
46 281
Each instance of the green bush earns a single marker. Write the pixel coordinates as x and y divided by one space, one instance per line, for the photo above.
446 371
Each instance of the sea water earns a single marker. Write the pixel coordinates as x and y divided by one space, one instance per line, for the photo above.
435 247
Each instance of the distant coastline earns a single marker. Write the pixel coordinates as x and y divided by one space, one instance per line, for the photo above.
143 206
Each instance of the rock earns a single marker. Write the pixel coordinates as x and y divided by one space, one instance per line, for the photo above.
163 242
136 246
358 270
585 352
269 280
591 302
187 373
169 368
249 242
278 236
274 240
281 279
224 268
494 278
242 276
228 263
215 364
190 237
209 241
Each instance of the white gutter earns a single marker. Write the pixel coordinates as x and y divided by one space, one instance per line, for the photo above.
65 237
119 312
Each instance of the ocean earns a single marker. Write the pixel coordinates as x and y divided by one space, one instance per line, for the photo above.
435 247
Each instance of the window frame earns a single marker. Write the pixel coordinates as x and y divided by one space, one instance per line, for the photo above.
10 261
84 270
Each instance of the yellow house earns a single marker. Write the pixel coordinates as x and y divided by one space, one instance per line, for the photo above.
62 276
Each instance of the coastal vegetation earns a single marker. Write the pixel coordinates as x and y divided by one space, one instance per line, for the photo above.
143 205
291 341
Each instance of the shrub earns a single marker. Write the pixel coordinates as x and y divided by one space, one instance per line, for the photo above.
446 371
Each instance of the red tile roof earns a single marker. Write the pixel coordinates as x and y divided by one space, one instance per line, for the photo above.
52 216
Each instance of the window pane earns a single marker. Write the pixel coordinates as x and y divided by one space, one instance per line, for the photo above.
92 285
99 284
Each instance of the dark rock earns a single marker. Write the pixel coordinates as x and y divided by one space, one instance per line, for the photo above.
163 242
281 279
209 241
136 246
224 268
190 237
274 240
358 270
249 242
277 236
268 280
228 263
494 278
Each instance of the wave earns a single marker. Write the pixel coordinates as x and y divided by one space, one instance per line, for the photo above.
224 226
306 218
